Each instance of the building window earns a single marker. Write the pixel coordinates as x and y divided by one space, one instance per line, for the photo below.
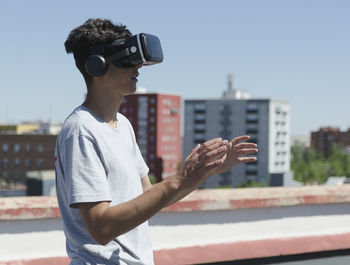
199 141
40 148
251 173
17 175
252 131
40 162
5 147
252 121
142 131
199 117
199 136
5 174
28 162
16 148
200 107
142 114
17 161
174 111
252 117
28 148
253 139
142 123
251 167
5 162
252 107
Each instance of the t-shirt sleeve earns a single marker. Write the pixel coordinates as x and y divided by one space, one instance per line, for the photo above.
85 174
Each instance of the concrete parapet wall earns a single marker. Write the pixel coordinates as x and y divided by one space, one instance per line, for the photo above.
206 226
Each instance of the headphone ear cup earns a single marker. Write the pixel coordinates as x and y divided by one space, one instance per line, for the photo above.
96 65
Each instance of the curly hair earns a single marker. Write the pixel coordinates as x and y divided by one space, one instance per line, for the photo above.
93 32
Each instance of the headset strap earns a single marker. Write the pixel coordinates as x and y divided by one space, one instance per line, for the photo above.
118 55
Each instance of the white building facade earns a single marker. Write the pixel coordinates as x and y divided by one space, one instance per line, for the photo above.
267 121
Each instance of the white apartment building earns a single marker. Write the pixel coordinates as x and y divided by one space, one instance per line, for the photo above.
267 121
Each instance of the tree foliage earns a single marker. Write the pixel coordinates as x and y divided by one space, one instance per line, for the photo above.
310 167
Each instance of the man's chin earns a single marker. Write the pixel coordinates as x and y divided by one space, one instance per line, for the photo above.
131 91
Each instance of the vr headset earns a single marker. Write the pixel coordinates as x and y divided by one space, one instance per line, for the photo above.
140 49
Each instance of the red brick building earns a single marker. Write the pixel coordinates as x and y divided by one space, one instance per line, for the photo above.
323 139
156 119
21 153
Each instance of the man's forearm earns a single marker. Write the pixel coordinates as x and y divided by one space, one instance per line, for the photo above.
110 222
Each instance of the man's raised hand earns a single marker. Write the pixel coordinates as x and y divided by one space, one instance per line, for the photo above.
237 148
203 161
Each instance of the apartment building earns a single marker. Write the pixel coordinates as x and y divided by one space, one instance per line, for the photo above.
156 120
24 152
324 139
267 121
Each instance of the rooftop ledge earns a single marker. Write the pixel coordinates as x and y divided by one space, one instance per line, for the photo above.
207 226
43 207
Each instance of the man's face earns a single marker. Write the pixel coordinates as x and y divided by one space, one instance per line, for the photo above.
122 80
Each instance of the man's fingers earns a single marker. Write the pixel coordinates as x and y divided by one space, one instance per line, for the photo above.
245 145
195 149
246 159
210 145
238 139
210 165
213 150
217 151
247 151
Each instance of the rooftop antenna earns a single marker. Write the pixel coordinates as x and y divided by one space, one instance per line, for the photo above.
231 92
230 82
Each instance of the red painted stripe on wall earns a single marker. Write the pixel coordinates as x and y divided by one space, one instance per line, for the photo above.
251 249
42 261
228 251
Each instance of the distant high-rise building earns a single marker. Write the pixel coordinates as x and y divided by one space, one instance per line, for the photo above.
267 121
156 119
324 139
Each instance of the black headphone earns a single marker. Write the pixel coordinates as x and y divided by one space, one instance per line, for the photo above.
96 65
139 49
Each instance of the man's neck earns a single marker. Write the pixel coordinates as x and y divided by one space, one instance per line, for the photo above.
104 105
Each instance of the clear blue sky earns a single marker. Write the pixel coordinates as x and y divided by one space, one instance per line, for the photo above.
295 50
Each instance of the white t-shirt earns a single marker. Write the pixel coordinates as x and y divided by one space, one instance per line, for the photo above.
95 162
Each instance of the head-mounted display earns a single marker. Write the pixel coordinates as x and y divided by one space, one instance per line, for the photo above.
139 49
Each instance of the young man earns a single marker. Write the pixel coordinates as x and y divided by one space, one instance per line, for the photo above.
103 190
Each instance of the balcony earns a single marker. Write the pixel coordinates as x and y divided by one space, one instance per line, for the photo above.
205 227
